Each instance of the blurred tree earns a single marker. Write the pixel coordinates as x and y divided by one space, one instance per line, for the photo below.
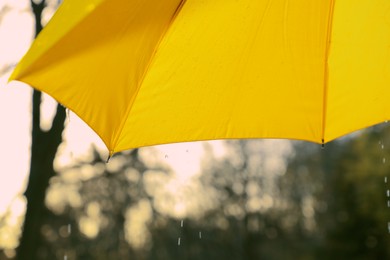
357 213
91 221
44 146
250 217
323 203
111 210
302 188
347 214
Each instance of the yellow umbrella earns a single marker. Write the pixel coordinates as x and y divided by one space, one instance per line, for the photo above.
142 72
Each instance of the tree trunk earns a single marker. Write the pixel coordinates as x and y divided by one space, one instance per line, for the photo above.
43 150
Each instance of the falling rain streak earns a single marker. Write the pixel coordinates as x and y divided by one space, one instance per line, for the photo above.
388 226
181 223
178 241
69 231
200 234
385 181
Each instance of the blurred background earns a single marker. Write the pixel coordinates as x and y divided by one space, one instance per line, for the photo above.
235 199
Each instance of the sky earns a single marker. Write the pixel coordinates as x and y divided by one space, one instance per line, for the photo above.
16 32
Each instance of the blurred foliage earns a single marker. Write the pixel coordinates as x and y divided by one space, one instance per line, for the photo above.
347 185
311 203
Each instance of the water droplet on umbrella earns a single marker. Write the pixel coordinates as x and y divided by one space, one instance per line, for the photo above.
200 234
181 223
178 241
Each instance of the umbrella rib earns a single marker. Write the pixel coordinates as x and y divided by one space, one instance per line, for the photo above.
121 126
326 70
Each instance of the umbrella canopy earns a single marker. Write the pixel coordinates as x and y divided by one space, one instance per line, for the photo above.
142 72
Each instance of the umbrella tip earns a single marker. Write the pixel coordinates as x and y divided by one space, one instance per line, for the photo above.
109 156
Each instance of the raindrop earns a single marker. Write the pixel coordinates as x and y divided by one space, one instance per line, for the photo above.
69 229
388 193
187 151
65 257
385 179
384 160
388 203
382 146
200 234
388 226
166 156
178 240
181 223
68 114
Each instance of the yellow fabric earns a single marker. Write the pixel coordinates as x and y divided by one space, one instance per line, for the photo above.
359 66
151 72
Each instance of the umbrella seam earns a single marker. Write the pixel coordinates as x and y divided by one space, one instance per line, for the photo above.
121 126
326 70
